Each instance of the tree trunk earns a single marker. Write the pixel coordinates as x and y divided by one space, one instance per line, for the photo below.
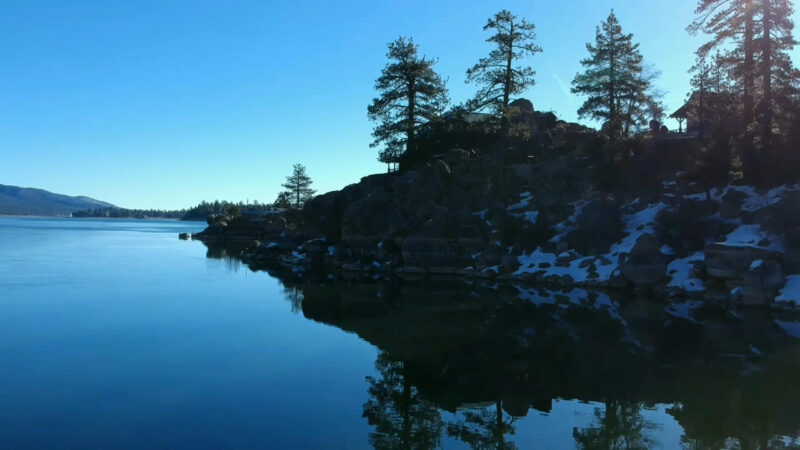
504 123
749 82
766 75
612 93
412 113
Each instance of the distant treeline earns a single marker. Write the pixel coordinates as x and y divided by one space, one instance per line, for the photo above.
122 213
205 209
199 212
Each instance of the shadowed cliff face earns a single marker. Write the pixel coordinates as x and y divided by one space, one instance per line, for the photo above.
449 346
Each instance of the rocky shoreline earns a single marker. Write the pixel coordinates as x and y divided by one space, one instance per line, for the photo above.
546 223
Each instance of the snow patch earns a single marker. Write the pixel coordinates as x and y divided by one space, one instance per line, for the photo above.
751 235
681 272
790 328
791 291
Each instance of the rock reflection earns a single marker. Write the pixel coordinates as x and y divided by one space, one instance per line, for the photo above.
230 254
449 346
467 361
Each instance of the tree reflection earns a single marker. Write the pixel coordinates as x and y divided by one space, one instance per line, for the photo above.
620 425
484 429
295 297
402 417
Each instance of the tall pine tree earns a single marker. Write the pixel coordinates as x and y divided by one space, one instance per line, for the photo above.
499 75
774 31
613 80
731 21
411 94
298 186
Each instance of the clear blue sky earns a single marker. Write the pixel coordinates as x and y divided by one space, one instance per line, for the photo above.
161 104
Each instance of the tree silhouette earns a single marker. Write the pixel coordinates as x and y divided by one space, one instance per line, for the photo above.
298 186
620 426
284 200
403 419
726 21
484 429
410 94
497 75
614 79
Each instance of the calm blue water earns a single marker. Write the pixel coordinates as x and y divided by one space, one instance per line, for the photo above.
115 334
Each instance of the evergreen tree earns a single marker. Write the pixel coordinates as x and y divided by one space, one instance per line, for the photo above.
298 186
614 79
731 21
497 74
760 32
284 200
775 67
411 94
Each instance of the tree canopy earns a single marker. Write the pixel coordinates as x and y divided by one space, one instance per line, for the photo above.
500 75
298 186
410 94
614 82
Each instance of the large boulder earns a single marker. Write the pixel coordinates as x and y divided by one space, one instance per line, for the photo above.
733 261
598 226
645 265
428 248
761 283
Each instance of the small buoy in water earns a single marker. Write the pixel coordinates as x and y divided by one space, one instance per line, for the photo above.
185 236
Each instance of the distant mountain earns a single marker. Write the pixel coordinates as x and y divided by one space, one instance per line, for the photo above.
37 202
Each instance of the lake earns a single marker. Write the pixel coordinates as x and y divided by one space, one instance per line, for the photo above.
115 334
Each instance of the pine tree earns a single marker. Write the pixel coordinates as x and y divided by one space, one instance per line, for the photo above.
298 186
774 31
284 200
731 21
411 94
497 74
613 80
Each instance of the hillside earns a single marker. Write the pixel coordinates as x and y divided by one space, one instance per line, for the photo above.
37 202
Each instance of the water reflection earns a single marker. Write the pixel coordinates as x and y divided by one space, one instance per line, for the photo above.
464 362
401 416
450 346
619 424
229 254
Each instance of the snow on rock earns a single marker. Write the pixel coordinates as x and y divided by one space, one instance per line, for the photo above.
522 204
751 235
481 214
753 201
529 216
636 225
791 328
542 261
681 272
568 225
790 294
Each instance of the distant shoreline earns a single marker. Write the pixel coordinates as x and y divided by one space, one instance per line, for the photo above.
17 216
